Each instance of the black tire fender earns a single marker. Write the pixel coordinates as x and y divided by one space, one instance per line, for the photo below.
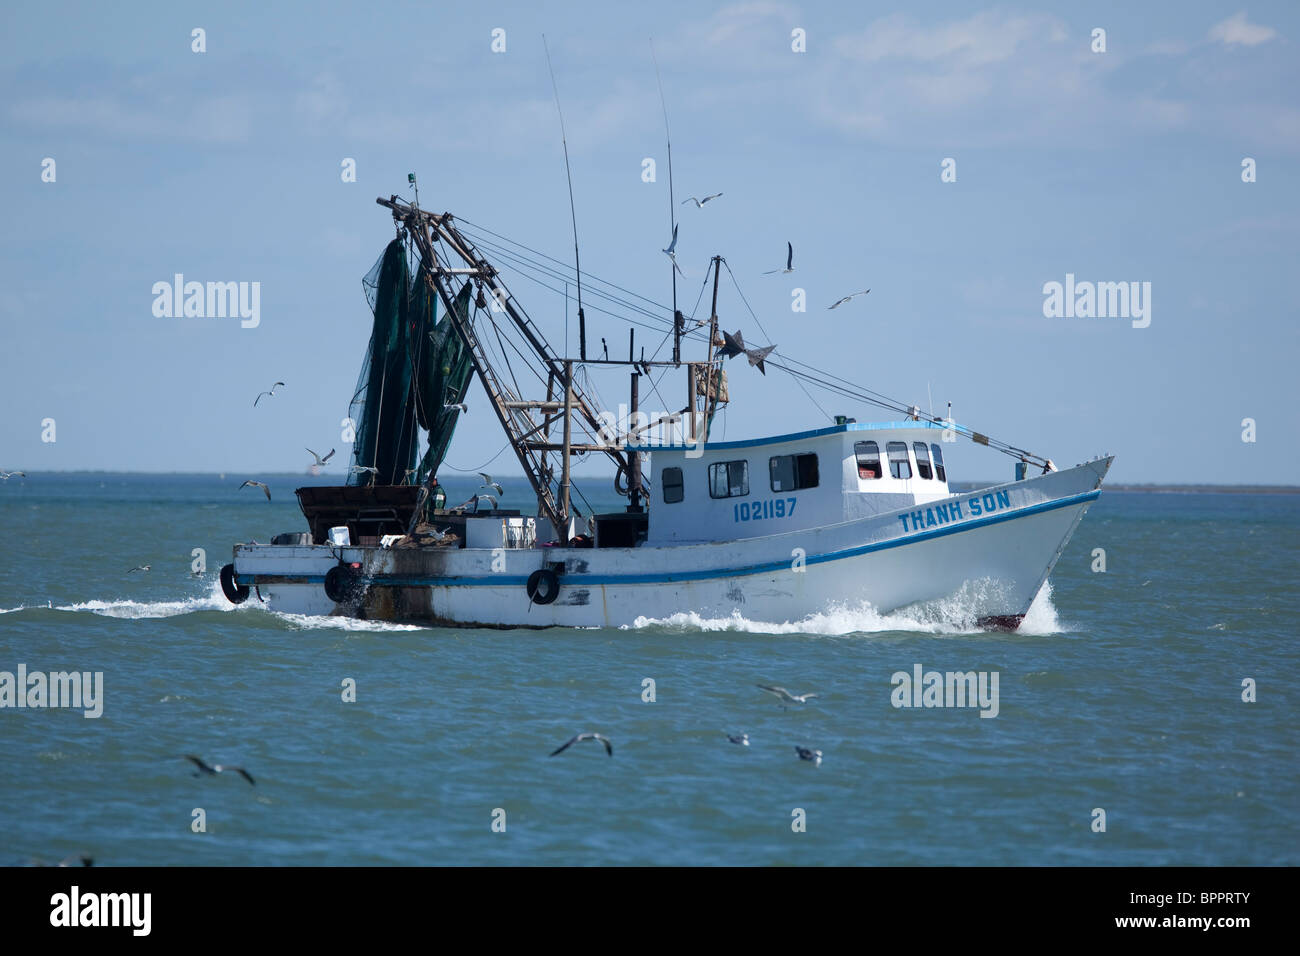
543 586
235 593
340 584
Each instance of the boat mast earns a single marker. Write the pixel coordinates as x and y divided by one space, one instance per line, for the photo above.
425 228
712 381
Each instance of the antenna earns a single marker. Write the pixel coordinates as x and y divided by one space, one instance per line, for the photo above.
582 320
672 209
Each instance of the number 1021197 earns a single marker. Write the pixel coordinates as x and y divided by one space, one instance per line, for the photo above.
763 510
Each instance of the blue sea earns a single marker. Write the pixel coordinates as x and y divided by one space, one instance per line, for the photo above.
1123 693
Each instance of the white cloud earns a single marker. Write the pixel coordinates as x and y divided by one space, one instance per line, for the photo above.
1236 30
745 23
981 39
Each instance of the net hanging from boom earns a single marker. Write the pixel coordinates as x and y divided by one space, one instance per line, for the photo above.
415 369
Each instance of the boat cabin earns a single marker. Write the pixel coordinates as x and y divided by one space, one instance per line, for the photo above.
743 489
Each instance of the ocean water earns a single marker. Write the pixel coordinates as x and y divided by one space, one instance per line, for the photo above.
1123 692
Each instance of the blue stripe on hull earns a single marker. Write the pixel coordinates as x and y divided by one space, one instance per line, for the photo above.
596 580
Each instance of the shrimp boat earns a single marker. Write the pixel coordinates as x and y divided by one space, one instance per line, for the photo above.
778 528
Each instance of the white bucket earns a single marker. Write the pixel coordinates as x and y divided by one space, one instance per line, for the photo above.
339 537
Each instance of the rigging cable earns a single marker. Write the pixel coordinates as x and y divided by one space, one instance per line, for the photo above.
582 327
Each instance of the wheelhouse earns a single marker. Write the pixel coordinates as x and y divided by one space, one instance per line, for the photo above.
723 491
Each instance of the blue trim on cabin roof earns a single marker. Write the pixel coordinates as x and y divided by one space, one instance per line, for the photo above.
579 580
794 436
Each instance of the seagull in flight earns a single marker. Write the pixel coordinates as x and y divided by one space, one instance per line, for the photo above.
671 253
699 202
319 460
789 261
805 754
257 484
609 747
848 298
463 407
271 392
489 483
741 739
474 501
143 567
358 469
216 768
6 475
784 696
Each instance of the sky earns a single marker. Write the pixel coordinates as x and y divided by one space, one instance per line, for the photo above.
1115 165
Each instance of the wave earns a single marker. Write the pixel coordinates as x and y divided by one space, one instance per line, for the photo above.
214 600
956 614
316 622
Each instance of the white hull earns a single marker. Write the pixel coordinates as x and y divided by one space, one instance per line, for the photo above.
1005 543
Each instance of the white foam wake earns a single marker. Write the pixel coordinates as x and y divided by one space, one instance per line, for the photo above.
1041 618
956 614
315 622
214 600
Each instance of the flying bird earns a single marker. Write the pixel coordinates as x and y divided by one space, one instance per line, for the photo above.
805 754
785 696
257 484
216 768
6 475
609 747
271 392
474 500
489 483
699 202
671 253
462 406
789 261
848 298
741 739
143 567
360 468
319 460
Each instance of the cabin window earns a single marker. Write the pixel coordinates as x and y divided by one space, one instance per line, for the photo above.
671 479
899 465
868 456
728 479
922 460
792 472
938 463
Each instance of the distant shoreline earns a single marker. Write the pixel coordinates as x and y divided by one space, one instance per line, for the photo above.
1160 489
